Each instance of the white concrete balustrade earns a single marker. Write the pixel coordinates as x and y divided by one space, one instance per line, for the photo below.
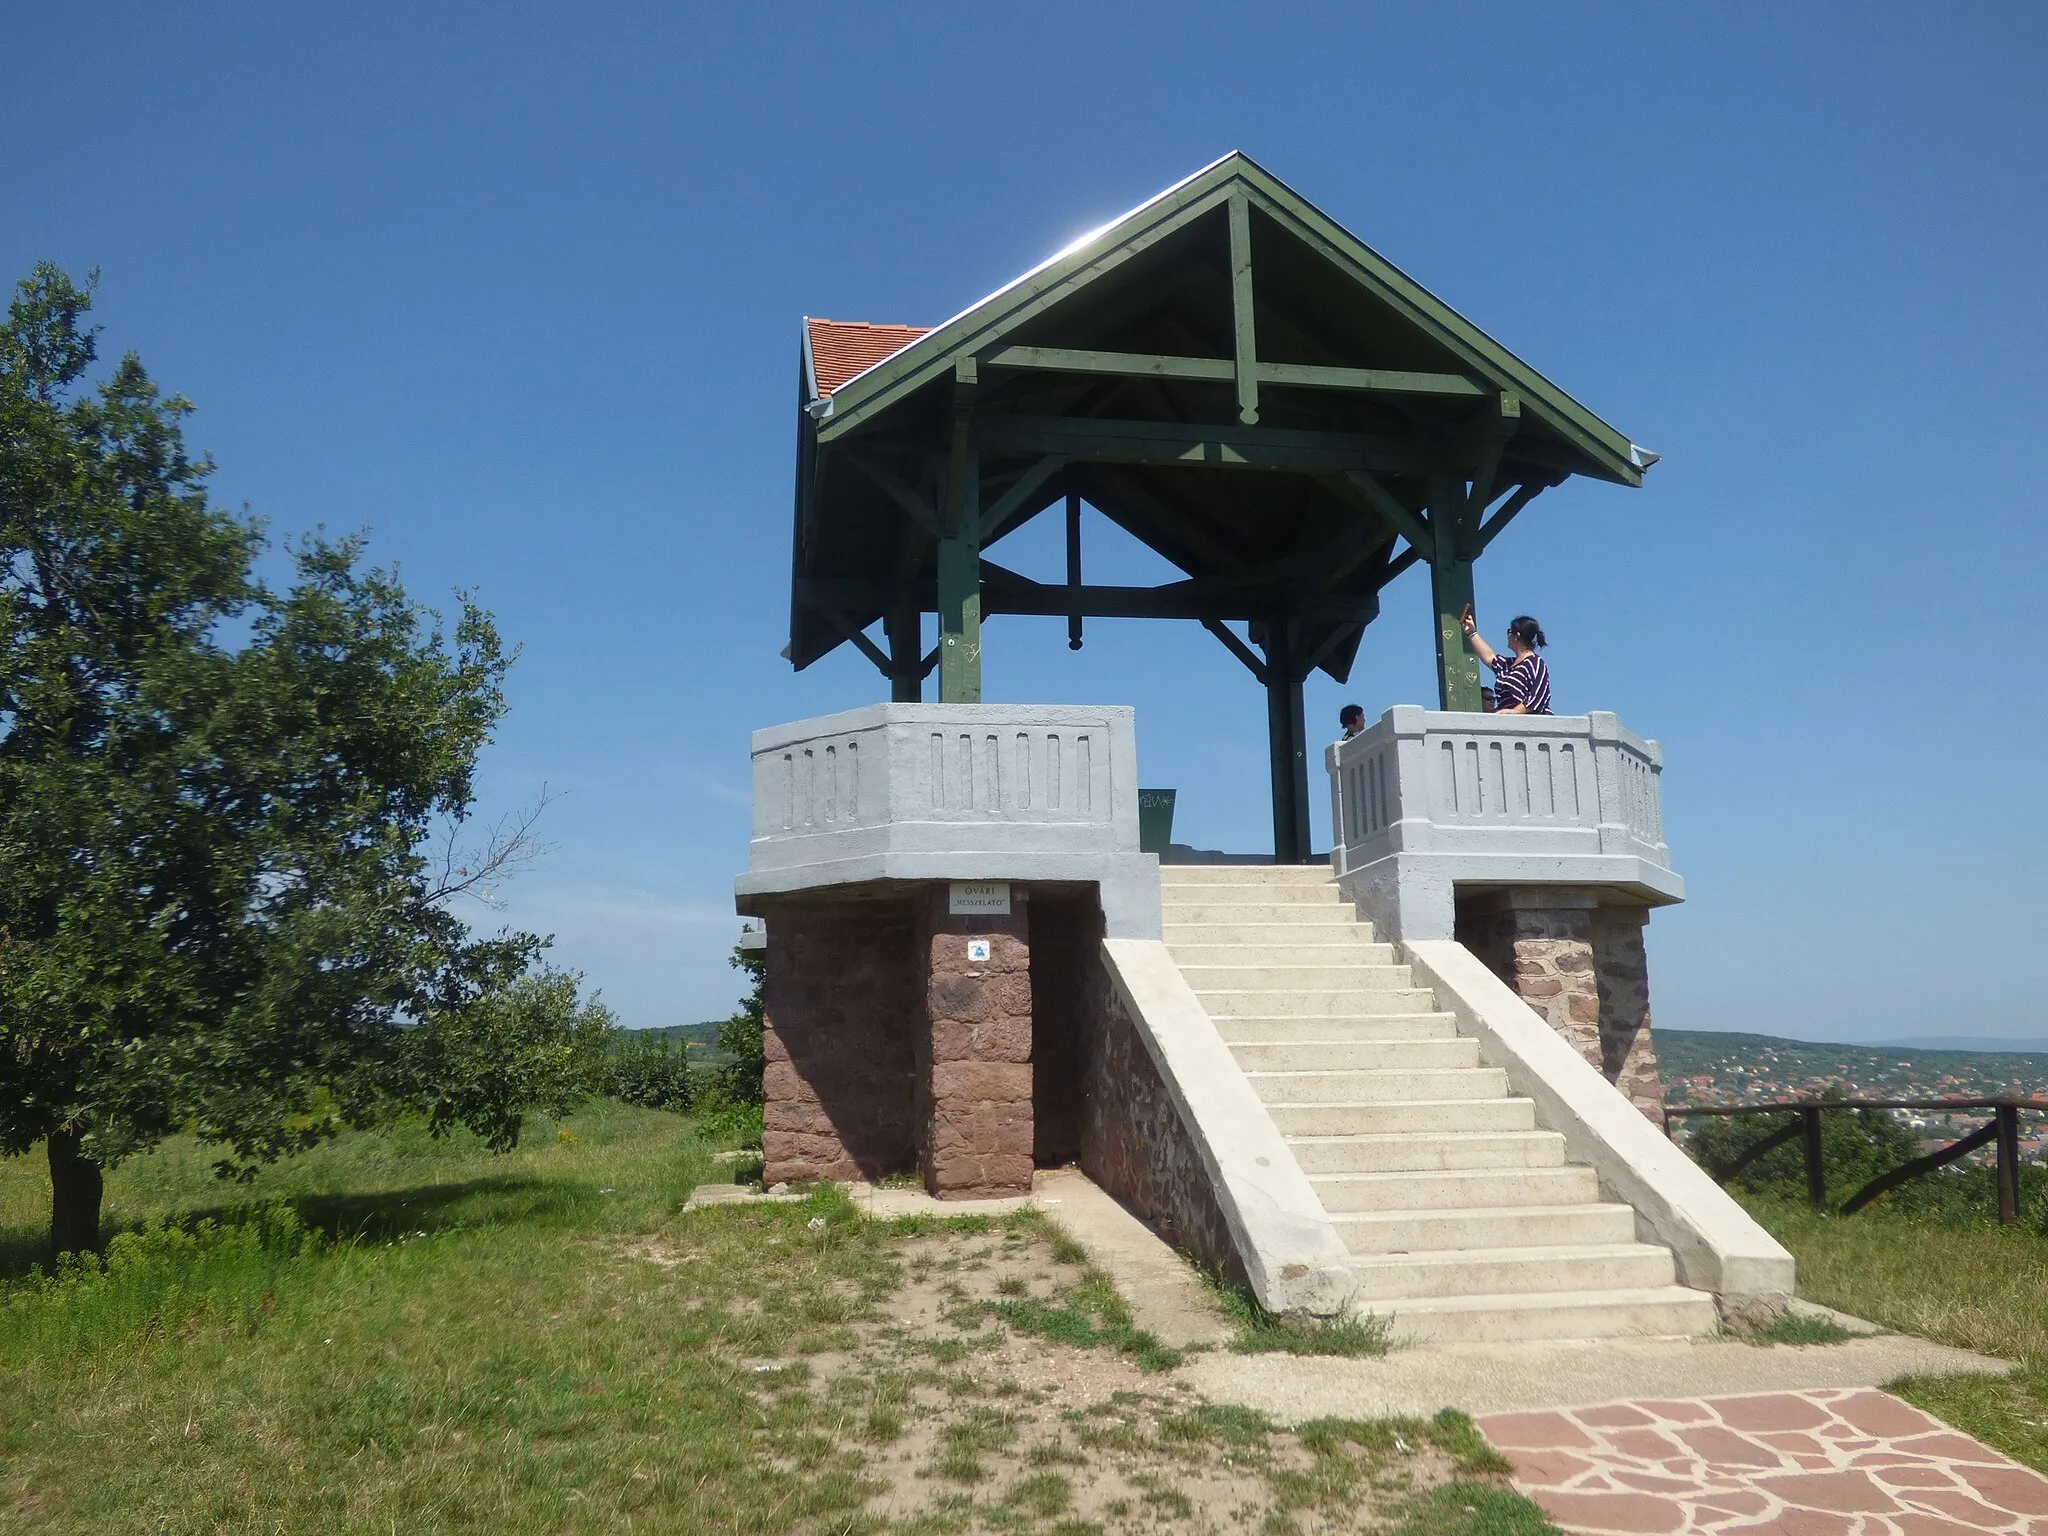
1015 792
1425 801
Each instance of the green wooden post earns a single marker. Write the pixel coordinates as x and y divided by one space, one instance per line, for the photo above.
906 664
1450 581
960 620
960 552
1287 736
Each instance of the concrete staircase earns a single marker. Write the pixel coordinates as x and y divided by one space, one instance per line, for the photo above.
1465 1221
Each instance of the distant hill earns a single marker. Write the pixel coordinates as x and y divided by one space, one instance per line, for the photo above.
700 1040
1997 1045
1768 1066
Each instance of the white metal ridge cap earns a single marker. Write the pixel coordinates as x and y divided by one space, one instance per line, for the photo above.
1070 251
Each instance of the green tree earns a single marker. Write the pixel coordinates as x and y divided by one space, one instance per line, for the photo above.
217 910
741 1036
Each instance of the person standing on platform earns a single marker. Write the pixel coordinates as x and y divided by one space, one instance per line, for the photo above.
1521 680
1351 720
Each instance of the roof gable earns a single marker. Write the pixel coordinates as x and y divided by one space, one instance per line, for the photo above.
1364 286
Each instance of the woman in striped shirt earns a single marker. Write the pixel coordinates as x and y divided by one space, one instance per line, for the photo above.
1522 681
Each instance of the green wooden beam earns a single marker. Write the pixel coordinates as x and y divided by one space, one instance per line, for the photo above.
1362 486
1193 445
1006 591
853 632
1129 365
1021 490
1243 330
918 507
1219 370
1492 425
1238 648
1370 381
1505 513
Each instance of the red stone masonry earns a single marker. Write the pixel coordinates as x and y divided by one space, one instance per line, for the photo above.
842 996
1582 967
974 1106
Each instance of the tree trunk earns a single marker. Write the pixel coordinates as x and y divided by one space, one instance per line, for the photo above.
75 1188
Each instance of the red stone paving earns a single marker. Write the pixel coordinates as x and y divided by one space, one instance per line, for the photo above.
1834 1462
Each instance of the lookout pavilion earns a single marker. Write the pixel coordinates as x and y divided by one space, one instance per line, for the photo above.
1228 375
1414 1080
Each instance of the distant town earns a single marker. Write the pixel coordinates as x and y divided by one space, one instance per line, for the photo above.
1709 1067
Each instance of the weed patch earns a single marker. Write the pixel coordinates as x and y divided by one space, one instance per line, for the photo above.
1260 1332
1090 1316
1799 1328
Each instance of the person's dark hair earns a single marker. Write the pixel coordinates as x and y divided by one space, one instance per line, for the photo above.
1349 713
1528 631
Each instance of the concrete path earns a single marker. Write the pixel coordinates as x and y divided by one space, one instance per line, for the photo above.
1167 1299
1492 1378
1840 1462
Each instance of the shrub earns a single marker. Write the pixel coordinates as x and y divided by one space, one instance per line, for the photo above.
161 1275
650 1070
740 1037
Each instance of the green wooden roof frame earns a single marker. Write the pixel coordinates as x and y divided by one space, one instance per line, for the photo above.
1610 455
929 389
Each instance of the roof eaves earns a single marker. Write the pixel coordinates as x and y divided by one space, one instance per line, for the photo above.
810 365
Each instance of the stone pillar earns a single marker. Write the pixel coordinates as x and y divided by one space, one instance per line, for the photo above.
974 1053
1581 966
842 999
1622 970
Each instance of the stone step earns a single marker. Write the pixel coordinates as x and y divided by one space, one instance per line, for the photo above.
1456 1189
1268 937
1657 1312
1378 1087
1226 894
1362 1003
1342 1055
1520 1226
1420 1150
1312 950
1328 921
1422 1116
1298 978
1247 1029
1513 1271
1244 874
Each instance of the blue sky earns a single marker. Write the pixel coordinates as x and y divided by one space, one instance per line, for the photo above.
517 287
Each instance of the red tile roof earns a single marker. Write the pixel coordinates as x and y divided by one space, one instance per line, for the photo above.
842 348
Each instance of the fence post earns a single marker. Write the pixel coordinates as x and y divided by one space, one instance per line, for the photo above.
2008 1164
1816 1174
